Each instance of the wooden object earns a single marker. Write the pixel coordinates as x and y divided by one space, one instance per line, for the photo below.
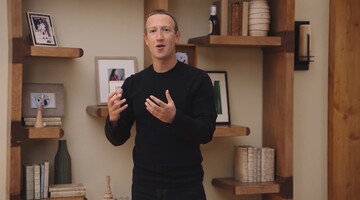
343 102
108 194
246 41
20 50
240 188
39 120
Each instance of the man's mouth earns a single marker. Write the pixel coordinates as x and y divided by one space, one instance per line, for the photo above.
160 46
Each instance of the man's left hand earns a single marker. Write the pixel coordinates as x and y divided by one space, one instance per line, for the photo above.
165 112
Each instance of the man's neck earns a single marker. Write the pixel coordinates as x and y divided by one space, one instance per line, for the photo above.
161 66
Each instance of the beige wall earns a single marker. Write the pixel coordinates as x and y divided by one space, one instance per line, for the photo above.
4 138
310 107
114 28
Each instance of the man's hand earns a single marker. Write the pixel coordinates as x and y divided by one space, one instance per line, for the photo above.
115 105
165 112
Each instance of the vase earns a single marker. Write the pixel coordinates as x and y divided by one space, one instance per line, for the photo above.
259 18
62 164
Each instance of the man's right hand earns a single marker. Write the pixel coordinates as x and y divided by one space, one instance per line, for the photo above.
115 106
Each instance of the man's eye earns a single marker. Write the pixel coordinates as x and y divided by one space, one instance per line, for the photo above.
152 31
166 30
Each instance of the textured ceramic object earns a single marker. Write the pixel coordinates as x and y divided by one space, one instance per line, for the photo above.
62 164
259 18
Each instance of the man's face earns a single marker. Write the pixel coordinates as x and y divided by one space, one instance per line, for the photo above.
160 36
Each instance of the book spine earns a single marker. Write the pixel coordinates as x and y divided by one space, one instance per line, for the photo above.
244 6
235 9
36 181
42 180
46 179
29 181
251 164
67 187
67 193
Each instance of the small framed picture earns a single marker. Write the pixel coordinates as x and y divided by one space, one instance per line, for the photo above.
50 95
42 29
186 53
111 73
219 80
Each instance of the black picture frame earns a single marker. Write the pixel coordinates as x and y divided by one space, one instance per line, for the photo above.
42 29
220 83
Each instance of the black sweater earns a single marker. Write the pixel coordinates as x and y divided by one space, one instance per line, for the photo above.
167 155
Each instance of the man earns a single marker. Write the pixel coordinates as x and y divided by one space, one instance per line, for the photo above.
173 105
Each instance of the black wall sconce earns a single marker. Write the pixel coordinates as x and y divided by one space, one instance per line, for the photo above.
302 45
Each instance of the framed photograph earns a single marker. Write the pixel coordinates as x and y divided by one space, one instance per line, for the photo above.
51 94
42 29
219 80
186 53
111 73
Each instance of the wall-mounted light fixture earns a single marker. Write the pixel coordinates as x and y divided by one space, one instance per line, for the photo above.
302 49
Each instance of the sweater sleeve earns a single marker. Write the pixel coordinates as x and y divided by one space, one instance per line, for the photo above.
199 126
119 134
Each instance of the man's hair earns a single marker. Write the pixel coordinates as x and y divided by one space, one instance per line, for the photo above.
161 12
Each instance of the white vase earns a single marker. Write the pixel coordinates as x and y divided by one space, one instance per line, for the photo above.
259 18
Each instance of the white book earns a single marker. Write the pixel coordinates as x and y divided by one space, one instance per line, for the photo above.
74 193
271 162
245 18
46 179
42 179
240 163
250 163
28 181
258 164
36 181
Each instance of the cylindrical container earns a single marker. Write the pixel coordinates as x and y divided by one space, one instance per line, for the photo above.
62 164
259 18
214 26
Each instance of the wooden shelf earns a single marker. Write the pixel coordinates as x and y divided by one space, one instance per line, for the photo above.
239 188
55 52
221 131
97 111
231 130
247 41
20 133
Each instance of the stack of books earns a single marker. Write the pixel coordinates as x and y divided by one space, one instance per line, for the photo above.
48 121
67 190
36 180
254 164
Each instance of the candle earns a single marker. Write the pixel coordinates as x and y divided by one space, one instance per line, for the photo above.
304 42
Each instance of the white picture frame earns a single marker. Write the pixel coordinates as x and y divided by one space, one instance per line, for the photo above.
105 66
41 29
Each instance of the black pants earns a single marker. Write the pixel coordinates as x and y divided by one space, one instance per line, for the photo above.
150 193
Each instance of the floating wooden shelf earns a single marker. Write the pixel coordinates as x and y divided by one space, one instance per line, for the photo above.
247 41
239 188
55 52
20 133
97 111
221 131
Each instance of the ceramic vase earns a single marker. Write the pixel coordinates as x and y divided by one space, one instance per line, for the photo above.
259 18
62 164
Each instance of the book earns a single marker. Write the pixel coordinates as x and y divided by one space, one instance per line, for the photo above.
28 182
240 163
36 181
70 193
67 187
48 121
45 191
243 18
235 11
267 164
250 163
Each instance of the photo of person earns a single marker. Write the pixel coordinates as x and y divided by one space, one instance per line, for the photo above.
116 74
41 28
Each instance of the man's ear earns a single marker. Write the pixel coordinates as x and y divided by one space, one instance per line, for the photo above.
177 36
145 39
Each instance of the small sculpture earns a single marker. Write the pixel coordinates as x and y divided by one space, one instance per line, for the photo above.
41 102
108 195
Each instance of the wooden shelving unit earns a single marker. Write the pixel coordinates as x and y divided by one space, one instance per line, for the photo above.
221 131
245 41
278 75
19 134
239 188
